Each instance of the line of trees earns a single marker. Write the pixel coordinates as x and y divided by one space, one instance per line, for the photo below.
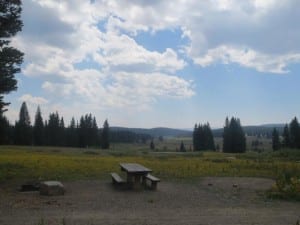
203 138
234 139
53 132
290 136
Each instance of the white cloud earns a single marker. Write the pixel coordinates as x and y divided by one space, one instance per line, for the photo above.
248 58
28 98
106 56
122 53
258 25
266 27
137 88
123 89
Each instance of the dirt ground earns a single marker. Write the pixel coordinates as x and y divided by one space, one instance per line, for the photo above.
207 201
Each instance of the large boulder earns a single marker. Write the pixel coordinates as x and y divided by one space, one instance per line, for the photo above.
52 188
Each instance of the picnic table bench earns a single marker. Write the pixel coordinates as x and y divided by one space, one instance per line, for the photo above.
137 176
154 180
116 179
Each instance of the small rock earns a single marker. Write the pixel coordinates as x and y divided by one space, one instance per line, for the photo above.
235 185
210 184
51 188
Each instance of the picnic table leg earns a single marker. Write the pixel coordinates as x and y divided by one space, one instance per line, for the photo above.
144 181
153 185
129 178
137 185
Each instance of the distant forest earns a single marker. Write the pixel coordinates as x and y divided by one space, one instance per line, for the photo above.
85 132
53 132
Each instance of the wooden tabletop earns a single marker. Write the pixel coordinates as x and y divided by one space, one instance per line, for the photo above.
134 168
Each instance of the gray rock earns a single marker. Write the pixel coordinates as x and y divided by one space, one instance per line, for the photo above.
52 188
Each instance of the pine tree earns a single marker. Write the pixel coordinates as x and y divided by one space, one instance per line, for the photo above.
195 138
94 133
203 138
105 136
5 130
226 136
152 146
61 130
234 140
10 58
182 148
23 134
286 137
72 139
294 134
275 140
210 144
38 128
53 129
82 133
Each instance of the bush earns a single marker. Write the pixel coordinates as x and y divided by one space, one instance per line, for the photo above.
286 187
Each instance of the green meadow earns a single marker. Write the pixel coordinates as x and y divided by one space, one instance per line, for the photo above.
43 163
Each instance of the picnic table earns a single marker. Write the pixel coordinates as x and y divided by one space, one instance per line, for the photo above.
136 174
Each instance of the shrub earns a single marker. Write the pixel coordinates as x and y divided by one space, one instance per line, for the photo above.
286 187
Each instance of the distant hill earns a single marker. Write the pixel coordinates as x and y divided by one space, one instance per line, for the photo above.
264 130
156 132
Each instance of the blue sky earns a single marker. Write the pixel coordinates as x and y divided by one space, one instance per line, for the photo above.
160 63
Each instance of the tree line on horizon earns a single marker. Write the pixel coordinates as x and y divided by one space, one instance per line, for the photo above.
53 132
290 137
234 139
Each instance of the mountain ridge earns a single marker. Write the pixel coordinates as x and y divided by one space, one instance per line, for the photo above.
265 129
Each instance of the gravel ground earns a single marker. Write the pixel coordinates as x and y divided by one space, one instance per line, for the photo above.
206 201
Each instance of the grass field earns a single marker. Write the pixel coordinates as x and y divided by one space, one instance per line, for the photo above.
18 163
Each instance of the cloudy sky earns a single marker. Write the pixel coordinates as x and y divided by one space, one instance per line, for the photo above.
143 63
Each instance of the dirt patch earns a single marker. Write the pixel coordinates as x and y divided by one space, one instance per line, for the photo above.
202 202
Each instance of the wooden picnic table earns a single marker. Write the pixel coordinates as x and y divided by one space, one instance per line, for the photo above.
136 174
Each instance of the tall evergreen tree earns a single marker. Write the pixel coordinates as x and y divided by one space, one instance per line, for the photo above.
234 139
82 133
72 139
94 133
286 136
226 136
203 138
195 138
61 130
209 138
152 146
5 130
10 58
182 148
88 131
23 134
53 129
294 134
38 128
275 140
105 136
